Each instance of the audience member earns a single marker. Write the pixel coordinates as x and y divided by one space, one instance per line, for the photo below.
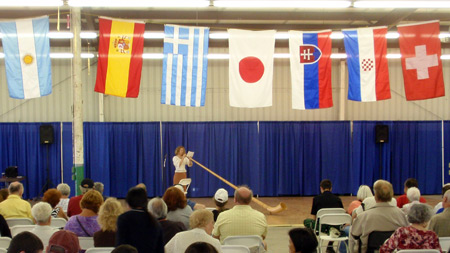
363 193
125 248
242 219
439 208
440 223
201 247
74 202
221 200
201 224
177 205
369 203
413 195
85 224
326 199
383 217
107 219
14 206
192 204
4 228
64 241
4 193
42 215
65 193
25 242
415 236
158 208
53 196
100 187
142 185
302 240
137 226
403 199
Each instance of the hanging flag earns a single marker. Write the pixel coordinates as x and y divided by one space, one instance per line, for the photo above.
420 47
27 57
368 74
185 65
119 66
310 69
251 67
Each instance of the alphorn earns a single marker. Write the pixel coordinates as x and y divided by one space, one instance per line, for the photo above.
272 210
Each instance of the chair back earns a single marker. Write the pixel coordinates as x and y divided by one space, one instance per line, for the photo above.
235 249
2 250
324 211
418 251
4 242
445 243
185 182
20 228
335 219
19 221
99 250
376 239
58 222
251 241
86 242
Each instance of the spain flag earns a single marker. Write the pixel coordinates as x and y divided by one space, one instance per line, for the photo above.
119 67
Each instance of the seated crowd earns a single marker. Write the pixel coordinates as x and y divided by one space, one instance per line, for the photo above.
173 223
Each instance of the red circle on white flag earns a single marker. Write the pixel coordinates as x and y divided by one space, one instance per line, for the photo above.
251 69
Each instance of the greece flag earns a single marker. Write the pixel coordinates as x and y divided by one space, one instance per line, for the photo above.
185 65
27 57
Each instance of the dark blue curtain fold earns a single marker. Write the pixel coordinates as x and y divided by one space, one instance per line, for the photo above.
446 152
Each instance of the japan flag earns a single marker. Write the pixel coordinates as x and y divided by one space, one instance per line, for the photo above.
251 67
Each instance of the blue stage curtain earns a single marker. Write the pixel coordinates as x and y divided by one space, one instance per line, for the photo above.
413 150
296 156
121 155
446 151
230 149
20 146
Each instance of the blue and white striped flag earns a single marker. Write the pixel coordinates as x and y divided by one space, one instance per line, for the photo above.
27 57
185 65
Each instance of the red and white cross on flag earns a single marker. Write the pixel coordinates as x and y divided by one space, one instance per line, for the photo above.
420 47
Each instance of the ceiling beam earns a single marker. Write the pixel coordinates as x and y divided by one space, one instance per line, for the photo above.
394 17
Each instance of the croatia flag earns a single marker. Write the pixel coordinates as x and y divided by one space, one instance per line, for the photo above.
310 69
368 74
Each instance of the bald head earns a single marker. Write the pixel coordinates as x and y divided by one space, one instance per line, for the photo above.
16 188
243 195
446 199
383 191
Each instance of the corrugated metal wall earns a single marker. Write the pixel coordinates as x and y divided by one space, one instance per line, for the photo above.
57 106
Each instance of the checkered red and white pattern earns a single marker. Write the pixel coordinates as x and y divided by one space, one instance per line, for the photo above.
367 64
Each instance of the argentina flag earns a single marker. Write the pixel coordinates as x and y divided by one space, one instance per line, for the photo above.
27 57
185 65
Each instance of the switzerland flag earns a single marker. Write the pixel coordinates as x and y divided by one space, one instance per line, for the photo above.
421 60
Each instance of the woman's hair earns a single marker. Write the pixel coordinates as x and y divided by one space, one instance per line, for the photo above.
201 247
52 196
27 242
64 189
92 200
174 199
200 218
4 193
108 213
178 149
137 199
364 192
41 212
419 213
303 239
413 194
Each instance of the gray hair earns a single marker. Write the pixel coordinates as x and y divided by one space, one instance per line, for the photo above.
41 212
98 186
447 195
364 192
15 187
158 208
64 189
419 213
413 194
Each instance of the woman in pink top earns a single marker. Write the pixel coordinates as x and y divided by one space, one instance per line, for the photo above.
363 192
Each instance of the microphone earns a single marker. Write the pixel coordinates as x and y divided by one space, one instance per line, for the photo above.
165 158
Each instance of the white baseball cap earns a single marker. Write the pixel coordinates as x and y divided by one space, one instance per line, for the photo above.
221 195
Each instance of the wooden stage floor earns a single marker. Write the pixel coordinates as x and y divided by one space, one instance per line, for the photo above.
298 208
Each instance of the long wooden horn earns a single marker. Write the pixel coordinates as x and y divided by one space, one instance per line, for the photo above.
272 210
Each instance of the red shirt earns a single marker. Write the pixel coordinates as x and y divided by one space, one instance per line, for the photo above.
411 238
403 200
74 206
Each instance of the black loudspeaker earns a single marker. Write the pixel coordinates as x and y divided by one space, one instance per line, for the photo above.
381 133
11 171
46 132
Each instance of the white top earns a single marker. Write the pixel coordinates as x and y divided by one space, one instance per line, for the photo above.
437 207
44 233
182 240
64 203
176 162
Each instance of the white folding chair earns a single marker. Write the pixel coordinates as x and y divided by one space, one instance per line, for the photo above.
326 211
235 249
418 251
58 222
19 221
4 242
86 242
20 228
445 243
335 219
251 241
99 250
185 182
2 250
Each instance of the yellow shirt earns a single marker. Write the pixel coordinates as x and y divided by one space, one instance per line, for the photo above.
240 220
15 207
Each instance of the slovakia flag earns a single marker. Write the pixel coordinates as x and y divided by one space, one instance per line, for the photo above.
368 74
310 69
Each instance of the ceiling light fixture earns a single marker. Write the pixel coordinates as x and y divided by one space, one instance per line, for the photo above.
139 3
31 3
401 4
281 4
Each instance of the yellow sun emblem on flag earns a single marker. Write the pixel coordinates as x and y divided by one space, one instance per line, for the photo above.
28 59
122 44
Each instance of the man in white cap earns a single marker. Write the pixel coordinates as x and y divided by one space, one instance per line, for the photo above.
221 200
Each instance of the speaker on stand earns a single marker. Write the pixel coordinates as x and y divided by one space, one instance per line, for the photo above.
47 138
381 137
